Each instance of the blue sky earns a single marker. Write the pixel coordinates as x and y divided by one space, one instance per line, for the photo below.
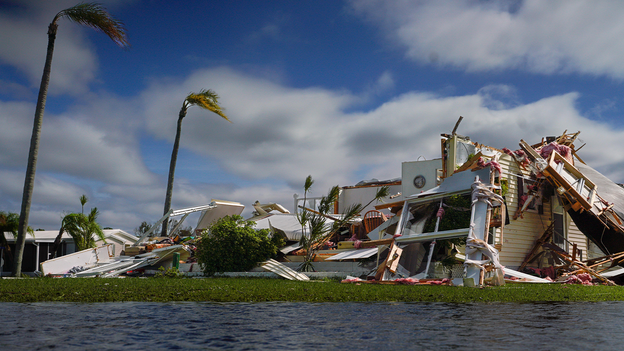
341 90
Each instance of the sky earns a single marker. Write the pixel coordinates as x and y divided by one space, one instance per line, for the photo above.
341 90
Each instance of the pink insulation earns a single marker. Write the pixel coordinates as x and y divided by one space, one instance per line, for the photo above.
562 150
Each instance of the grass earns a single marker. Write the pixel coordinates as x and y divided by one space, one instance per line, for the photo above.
262 290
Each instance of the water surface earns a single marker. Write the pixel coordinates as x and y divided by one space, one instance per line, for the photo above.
312 326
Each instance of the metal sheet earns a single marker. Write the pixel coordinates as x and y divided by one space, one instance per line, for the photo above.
290 248
528 277
606 188
447 234
85 258
283 271
224 208
615 272
353 254
285 222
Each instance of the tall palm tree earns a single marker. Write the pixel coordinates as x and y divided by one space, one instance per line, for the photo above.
206 99
82 228
91 15
83 201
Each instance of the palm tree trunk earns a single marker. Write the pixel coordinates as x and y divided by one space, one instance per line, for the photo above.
29 181
172 165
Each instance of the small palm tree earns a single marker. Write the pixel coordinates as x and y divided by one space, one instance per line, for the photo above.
206 99
82 229
314 227
91 15
9 222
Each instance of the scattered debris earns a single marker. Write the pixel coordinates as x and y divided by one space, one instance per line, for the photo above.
283 271
446 221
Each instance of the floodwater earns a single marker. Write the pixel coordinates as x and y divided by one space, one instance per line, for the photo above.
312 326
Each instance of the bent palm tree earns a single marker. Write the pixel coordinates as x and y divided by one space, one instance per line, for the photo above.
91 15
206 99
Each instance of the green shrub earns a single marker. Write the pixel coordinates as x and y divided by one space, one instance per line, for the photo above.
233 245
168 273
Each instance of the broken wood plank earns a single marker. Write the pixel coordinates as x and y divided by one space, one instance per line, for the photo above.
470 164
538 243
365 244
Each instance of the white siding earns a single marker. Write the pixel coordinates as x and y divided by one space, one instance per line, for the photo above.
520 235
577 237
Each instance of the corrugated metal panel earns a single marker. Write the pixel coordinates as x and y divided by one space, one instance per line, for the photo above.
353 254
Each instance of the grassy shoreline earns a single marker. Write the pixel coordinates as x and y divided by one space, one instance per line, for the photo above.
265 290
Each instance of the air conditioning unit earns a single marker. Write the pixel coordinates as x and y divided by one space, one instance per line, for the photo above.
419 176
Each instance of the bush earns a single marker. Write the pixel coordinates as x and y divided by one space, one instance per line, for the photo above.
233 245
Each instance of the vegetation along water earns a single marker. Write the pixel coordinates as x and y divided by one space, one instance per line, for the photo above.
263 289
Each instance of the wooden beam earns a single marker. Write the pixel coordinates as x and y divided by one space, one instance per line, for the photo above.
457 125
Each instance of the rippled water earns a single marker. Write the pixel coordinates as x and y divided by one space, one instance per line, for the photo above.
308 326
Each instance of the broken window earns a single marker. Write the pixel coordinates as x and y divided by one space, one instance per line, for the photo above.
448 216
449 213
558 218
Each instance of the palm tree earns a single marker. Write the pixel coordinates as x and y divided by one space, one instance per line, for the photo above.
206 99
91 15
9 222
82 228
315 231
83 201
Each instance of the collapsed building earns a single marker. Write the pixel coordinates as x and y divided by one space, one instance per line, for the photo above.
476 215
538 209
483 214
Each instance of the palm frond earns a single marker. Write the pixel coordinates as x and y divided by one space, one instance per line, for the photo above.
93 214
94 15
207 99
328 201
308 183
381 193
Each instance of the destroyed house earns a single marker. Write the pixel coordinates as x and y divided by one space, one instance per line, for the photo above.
542 208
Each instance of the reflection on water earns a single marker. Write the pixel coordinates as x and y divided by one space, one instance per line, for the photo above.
307 326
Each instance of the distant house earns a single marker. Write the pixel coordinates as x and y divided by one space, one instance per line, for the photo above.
38 248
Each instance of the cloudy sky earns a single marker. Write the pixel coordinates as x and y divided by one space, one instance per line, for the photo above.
340 90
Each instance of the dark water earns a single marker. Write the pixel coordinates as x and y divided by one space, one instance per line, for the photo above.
307 326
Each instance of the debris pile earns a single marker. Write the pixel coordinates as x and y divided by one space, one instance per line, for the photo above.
447 221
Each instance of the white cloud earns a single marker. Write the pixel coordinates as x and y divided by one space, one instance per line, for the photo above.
281 134
24 40
277 132
74 144
385 81
538 36
49 190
